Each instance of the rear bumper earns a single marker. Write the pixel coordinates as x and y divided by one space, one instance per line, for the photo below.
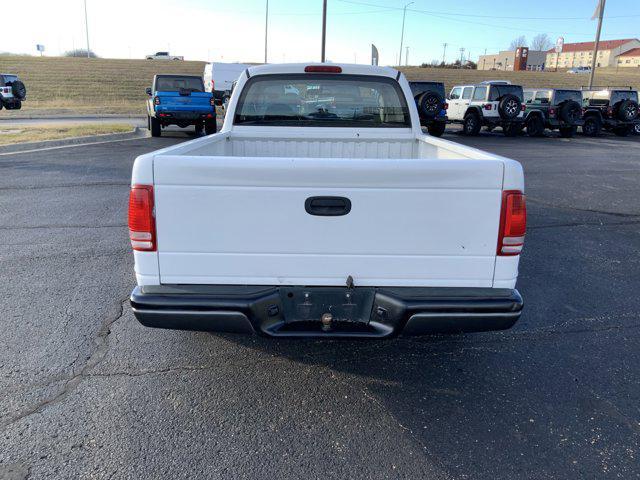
297 311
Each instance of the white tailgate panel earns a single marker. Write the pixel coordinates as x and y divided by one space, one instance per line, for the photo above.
224 220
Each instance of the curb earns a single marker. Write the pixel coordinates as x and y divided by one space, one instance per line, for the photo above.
71 116
137 132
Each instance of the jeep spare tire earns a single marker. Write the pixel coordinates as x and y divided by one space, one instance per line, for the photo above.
430 104
19 90
570 112
628 110
509 107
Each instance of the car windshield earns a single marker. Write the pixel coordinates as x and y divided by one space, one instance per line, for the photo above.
562 95
323 100
175 83
498 91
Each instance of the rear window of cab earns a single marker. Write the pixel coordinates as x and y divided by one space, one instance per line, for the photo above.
322 100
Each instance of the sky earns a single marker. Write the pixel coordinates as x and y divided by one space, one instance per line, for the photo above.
233 30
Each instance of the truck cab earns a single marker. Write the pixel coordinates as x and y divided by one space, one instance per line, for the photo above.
180 100
322 209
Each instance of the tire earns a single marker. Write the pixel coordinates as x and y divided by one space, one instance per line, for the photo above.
148 122
592 126
430 104
627 110
567 132
1 103
509 107
570 112
511 129
210 127
636 129
622 131
19 90
156 129
471 125
436 129
199 128
535 126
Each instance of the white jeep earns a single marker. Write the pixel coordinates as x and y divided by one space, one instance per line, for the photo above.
12 92
487 104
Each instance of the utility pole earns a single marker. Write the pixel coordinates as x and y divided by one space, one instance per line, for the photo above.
86 25
324 29
461 56
406 56
444 52
266 30
595 48
404 14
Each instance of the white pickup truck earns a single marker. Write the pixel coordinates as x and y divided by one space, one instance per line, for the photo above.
321 208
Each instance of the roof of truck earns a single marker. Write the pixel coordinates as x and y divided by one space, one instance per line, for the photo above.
349 69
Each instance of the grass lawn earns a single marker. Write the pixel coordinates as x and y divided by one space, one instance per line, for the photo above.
22 134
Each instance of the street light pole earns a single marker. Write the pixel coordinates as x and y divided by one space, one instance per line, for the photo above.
404 14
324 30
86 25
595 49
266 30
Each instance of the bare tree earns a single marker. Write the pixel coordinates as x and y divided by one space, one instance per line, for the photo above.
520 41
541 42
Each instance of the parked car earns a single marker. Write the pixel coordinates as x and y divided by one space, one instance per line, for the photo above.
328 218
12 92
432 108
180 100
552 108
163 56
489 104
613 109
219 78
579 70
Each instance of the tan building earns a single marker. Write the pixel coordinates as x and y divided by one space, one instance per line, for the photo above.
506 59
630 58
581 54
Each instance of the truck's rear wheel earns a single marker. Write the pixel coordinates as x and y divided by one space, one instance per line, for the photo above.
471 124
436 129
156 129
210 127
535 126
592 126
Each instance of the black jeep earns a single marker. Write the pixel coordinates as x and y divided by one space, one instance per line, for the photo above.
614 109
12 92
552 108
429 98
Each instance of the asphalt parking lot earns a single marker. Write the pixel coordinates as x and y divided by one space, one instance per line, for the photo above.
87 392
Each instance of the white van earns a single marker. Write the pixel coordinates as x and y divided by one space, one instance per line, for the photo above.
219 78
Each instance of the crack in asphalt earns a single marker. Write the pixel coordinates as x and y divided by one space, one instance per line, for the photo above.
587 210
583 224
72 382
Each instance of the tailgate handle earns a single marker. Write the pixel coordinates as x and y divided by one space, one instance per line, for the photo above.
327 206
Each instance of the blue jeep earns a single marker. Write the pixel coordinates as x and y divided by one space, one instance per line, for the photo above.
180 100
432 107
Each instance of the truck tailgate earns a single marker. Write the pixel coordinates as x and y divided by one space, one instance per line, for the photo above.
242 220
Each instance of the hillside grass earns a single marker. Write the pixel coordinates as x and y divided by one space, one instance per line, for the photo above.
58 85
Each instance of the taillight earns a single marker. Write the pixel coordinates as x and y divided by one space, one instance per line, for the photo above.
446 106
213 85
552 111
487 106
156 100
523 107
322 69
513 223
212 102
142 225
610 111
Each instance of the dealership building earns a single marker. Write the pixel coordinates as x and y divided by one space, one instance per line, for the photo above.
510 60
